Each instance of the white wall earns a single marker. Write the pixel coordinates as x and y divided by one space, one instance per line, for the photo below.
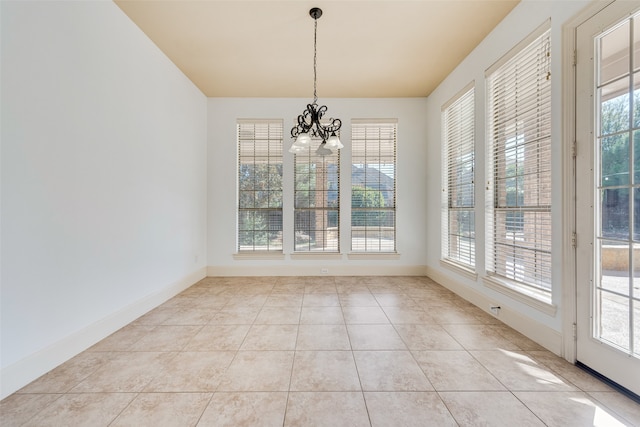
103 180
411 178
524 19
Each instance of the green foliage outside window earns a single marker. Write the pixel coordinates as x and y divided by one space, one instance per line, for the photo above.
256 182
366 197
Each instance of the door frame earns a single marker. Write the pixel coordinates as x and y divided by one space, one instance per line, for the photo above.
569 182
570 188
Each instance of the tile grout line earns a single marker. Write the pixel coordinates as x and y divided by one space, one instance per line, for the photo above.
125 408
356 366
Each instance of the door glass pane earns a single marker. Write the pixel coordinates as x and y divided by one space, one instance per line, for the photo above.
635 291
614 319
614 159
614 107
614 258
636 100
614 53
636 214
615 213
636 157
636 324
636 43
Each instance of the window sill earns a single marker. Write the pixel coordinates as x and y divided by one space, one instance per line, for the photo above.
316 255
373 255
258 255
540 300
457 268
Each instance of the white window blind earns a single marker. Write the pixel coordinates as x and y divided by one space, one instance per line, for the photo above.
260 185
373 185
317 201
519 187
458 239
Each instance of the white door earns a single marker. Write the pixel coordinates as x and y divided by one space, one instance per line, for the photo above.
608 193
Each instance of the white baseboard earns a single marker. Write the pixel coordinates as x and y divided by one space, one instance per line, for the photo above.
542 334
317 270
21 373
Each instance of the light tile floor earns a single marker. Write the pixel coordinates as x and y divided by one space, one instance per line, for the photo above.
317 351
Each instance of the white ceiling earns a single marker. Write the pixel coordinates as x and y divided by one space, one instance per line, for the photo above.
264 48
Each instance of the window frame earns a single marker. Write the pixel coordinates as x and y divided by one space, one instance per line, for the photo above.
271 132
325 195
360 129
458 134
530 276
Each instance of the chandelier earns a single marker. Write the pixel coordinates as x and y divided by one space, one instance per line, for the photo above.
309 123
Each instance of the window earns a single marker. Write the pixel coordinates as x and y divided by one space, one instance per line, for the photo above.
373 185
259 185
519 167
458 240
317 201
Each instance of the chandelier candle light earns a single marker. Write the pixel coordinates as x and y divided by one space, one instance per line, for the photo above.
309 122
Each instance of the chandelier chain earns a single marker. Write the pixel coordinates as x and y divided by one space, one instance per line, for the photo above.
315 60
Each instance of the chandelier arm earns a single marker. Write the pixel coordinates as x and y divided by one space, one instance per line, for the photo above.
321 111
305 121
334 125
